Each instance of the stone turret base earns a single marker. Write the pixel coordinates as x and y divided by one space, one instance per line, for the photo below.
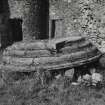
23 59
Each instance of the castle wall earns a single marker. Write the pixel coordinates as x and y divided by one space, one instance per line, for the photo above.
86 17
71 18
35 14
60 11
67 12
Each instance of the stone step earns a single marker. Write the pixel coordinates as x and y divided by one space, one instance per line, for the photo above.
65 58
56 54
80 47
27 53
59 58
63 42
37 45
67 40
69 65
46 53
47 44
21 68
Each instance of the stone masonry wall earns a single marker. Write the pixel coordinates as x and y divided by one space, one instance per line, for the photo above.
32 13
79 16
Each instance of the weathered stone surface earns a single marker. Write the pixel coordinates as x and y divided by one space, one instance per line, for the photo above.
84 16
64 58
102 61
35 16
66 40
26 68
37 45
27 53
38 53
96 77
14 53
28 62
22 54
16 68
59 43
58 76
74 48
17 61
69 73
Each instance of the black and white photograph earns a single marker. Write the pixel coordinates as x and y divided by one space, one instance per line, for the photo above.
52 52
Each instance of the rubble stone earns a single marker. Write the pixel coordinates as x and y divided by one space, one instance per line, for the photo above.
87 77
97 77
58 76
70 73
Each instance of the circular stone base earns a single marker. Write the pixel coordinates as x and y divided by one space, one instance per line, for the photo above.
24 58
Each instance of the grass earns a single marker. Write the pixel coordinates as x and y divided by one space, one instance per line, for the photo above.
58 92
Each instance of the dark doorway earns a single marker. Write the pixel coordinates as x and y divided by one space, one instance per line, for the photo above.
1 6
4 15
56 28
43 19
52 28
4 6
16 29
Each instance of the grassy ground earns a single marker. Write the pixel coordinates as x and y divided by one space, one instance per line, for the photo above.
58 92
